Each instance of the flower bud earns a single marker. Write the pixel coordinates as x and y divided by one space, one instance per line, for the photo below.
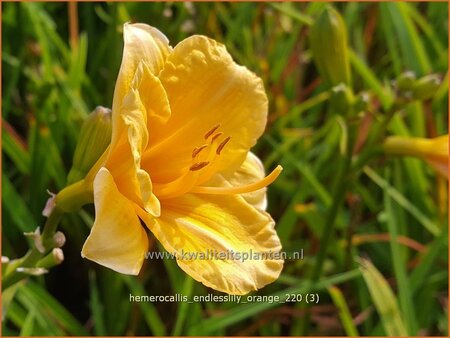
95 136
405 81
32 271
434 151
55 257
342 99
328 39
425 87
36 237
5 264
56 241
363 102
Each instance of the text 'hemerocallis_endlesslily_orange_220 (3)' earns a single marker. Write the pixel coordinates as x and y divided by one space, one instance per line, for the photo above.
184 120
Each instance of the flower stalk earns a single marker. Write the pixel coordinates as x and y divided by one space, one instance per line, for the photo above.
69 199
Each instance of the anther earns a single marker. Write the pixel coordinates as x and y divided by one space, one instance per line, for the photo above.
197 150
211 131
222 145
198 166
216 136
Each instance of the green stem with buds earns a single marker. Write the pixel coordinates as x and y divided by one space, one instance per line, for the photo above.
69 199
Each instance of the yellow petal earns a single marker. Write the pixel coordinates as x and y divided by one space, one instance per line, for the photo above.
192 224
252 170
152 95
210 97
434 151
416 146
142 43
117 239
437 155
124 159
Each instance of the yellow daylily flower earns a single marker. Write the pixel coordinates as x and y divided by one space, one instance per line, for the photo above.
433 150
184 120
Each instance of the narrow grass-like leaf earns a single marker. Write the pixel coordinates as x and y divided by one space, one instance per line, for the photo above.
76 71
7 298
399 263
28 326
16 314
13 202
34 19
42 319
183 308
436 249
18 155
429 31
391 42
55 311
287 222
96 307
151 316
384 300
306 172
413 51
13 63
403 201
306 105
288 9
344 312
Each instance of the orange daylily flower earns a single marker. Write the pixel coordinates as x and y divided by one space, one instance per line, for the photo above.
184 120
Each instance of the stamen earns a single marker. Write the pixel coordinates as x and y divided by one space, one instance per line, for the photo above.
216 136
197 150
211 131
198 166
220 147
242 189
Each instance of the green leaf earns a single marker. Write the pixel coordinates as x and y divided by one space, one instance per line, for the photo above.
413 51
13 149
384 300
399 263
151 316
16 206
55 312
96 306
287 9
344 312
28 326
183 308
8 296
403 201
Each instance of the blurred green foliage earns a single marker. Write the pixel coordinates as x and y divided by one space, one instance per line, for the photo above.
51 83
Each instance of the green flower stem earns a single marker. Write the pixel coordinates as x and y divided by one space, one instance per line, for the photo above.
53 258
69 199
31 258
74 196
50 228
